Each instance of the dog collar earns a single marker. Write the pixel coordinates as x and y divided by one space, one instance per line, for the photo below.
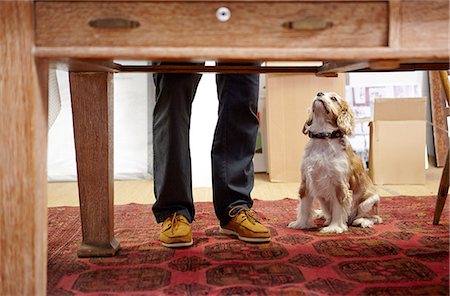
333 135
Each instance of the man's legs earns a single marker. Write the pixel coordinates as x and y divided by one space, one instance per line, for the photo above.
234 142
172 160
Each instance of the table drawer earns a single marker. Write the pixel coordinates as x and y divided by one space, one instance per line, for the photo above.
181 24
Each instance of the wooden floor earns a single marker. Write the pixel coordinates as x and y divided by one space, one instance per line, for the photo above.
66 194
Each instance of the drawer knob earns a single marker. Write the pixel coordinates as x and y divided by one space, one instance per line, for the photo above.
223 14
114 23
308 24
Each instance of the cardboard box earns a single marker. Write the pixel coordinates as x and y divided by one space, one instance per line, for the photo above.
397 141
289 96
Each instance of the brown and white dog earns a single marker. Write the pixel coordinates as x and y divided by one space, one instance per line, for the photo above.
332 172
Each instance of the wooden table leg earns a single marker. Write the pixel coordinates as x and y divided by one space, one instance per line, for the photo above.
443 191
23 157
92 107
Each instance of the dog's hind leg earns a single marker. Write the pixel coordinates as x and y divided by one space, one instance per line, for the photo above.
368 212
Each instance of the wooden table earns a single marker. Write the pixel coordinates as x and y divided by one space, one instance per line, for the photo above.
85 36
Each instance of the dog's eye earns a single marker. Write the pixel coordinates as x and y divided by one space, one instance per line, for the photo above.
333 99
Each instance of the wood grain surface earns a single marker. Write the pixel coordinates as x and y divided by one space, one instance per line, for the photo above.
196 54
251 24
439 117
218 2
92 108
23 157
425 24
442 191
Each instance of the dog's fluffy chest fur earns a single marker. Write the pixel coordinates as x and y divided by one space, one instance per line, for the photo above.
325 162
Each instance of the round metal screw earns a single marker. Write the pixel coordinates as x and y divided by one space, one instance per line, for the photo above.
223 14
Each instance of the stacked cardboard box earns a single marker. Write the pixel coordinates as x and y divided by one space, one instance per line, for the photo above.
397 141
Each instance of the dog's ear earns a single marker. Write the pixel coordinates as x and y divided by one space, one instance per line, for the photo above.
346 119
308 122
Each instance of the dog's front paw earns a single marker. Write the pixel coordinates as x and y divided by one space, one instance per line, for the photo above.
301 225
334 229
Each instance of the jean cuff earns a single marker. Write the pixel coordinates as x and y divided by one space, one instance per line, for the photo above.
163 216
225 218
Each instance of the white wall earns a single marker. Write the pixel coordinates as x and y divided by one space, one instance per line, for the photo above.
133 114
130 130
386 78
399 78
203 123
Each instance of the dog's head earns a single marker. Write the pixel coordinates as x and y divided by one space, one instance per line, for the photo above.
329 111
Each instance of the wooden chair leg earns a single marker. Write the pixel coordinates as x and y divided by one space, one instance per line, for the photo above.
443 191
92 107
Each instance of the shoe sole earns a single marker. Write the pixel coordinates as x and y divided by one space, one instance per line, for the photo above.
178 245
245 239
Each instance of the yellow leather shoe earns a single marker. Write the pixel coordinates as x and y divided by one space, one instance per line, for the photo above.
176 232
245 225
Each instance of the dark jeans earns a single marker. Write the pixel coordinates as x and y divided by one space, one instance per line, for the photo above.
232 150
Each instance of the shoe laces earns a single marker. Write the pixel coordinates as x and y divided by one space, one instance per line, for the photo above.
249 214
175 220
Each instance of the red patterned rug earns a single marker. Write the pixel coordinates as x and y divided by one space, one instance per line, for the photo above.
406 255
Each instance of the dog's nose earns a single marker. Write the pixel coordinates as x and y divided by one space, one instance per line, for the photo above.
319 94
